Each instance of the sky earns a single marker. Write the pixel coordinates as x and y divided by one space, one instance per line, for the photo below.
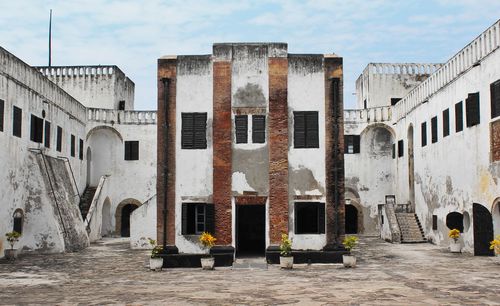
134 34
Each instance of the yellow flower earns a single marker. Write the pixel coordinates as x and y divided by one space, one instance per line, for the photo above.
207 240
454 234
495 245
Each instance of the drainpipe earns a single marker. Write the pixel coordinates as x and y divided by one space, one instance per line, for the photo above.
335 100
166 83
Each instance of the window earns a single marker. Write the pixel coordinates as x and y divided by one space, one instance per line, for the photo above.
309 218
121 105
73 144
351 144
241 128
59 139
2 108
446 122
18 221
47 134
305 130
495 99
80 151
36 129
131 150
197 218
393 151
17 122
401 152
434 222
459 117
472 109
455 220
423 132
194 131
434 129
365 105
258 129
394 101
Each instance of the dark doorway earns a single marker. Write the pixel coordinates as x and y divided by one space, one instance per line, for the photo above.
250 230
351 219
126 212
483 230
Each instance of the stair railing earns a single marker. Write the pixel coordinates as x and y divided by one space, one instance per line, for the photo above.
73 176
93 205
393 222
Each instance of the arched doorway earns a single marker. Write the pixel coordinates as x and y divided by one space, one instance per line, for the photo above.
411 168
495 213
106 143
483 230
122 216
106 228
89 165
351 219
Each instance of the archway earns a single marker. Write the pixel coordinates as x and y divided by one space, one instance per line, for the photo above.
106 228
89 165
354 222
495 214
122 216
351 219
483 230
376 141
411 168
106 144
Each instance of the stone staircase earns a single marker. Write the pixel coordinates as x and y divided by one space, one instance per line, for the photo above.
86 200
410 227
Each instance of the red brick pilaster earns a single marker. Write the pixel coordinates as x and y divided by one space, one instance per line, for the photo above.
165 185
222 157
278 148
334 131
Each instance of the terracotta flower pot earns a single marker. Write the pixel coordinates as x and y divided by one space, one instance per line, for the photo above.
349 261
207 263
286 262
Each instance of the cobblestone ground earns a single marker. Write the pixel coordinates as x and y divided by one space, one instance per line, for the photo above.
109 272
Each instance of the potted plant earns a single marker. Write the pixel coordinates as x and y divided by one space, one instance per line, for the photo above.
495 246
155 261
455 247
12 238
349 260
286 258
207 241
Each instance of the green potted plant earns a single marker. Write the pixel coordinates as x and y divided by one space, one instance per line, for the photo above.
454 234
155 261
286 258
350 242
207 241
12 238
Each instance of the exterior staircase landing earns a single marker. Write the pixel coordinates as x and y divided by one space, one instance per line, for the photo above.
410 227
86 200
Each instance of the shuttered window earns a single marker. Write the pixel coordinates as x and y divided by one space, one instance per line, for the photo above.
36 130
495 99
2 109
80 152
423 133
121 105
351 144
17 121
59 139
194 131
472 109
309 218
132 150
446 122
197 218
305 127
393 151
73 145
434 129
401 152
459 117
47 134
241 128
258 129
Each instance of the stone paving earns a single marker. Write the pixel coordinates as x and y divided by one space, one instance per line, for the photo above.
109 272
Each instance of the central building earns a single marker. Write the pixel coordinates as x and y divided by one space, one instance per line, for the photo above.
250 146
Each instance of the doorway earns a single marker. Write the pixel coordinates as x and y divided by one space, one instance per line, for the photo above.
351 219
250 230
125 218
483 230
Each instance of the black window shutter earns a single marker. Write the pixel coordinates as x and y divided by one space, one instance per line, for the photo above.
394 150
127 150
446 122
401 148
200 130
258 129
59 139
210 218
184 218
17 122
495 99
321 218
187 141
73 145
459 117
312 138
423 132
434 129
36 133
241 127
357 140
135 150
299 130
47 134
2 109
472 109
80 152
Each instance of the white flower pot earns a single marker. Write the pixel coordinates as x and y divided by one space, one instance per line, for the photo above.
349 261
455 247
286 262
10 254
156 263
207 263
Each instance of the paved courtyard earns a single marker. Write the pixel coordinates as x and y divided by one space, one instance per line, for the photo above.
109 272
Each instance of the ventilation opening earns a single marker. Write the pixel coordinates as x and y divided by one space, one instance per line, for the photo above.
455 220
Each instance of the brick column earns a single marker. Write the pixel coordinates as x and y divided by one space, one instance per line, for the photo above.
334 147
165 184
222 159
278 148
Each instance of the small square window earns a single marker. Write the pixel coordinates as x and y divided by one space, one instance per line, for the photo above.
351 144
309 218
305 130
131 150
197 218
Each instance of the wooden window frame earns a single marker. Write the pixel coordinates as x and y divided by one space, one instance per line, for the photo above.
131 150
310 130
320 217
194 135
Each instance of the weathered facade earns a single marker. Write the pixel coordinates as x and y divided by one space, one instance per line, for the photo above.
248 142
